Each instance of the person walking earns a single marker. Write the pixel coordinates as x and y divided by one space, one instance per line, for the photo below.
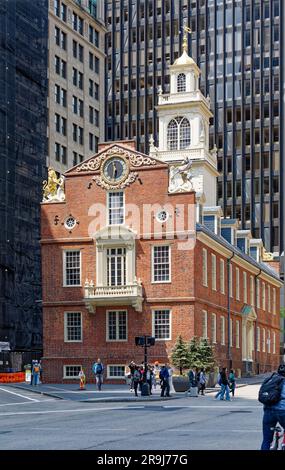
224 385
232 381
164 380
219 382
275 413
137 379
149 380
202 380
193 389
98 369
132 366
171 386
36 373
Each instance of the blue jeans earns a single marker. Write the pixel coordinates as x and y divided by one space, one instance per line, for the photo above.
225 389
35 378
270 418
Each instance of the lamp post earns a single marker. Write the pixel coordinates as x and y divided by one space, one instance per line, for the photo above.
145 341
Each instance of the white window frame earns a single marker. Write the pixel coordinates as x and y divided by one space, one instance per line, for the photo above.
258 293
70 377
214 271
263 340
116 256
263 297
252 302
274 343
214 328
205 324
64 267
244 287
237 284
181 85
274 301
231 333
268 342
115 377
223 330
269 297
108 340
205 267
108 206
237 334
258 339
231 280
168 281
170 323
222 276
66 340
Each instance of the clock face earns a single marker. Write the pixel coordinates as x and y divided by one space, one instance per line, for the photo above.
115 170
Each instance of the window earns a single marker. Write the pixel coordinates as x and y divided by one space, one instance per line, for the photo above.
237 334
222 276
274 301
223 336
71 372
178 134
274 342
116 371
116 266
231 333
116 208
161 264
63 12
269 299
117 325
214 327
263 296
237 285
161 324
204 324
268 342
72 326
214 272
263 339
245 288
181 83
252 291
231 280
205 267
72 265
258 293
258 338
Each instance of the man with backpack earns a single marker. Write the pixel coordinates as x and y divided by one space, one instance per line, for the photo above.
98 370
272 395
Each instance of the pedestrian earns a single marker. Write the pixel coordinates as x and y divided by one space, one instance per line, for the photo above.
193 381
219 382
149 375
36 373
202 380
224 385
82 379
232 381
41 372
137 379
164 381
156 371
132 366
98 369
171 386
274 413
32 369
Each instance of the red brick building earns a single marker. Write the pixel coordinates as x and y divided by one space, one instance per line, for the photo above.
135 246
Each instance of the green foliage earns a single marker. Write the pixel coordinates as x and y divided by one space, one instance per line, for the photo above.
180 355
201 353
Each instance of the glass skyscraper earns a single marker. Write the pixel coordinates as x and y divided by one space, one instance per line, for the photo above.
23 150
239 46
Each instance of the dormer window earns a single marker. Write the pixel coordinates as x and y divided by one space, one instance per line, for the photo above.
178 134
181 83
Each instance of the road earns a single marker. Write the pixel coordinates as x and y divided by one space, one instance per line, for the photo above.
34 421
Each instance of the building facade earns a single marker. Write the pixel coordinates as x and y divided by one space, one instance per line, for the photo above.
76 81
23 150
136 246
239 47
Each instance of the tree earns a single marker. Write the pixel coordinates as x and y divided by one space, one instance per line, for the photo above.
201 353
180 355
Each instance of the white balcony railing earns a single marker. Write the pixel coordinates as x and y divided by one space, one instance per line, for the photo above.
113 295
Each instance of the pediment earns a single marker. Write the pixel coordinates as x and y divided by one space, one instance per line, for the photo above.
136 160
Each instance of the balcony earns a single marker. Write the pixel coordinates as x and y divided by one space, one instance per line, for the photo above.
113 296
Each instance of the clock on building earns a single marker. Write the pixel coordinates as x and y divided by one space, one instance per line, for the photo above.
115 170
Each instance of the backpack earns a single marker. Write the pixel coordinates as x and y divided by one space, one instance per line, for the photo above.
137 376
99 369
271 389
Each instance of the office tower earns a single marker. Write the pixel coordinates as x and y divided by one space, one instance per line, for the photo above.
76 81
239 47
23 149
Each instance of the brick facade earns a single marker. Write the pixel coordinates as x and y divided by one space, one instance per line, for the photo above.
184 295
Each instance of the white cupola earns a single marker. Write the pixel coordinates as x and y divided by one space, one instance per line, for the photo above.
184 116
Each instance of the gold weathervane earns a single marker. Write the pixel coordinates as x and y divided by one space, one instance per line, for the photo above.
187 31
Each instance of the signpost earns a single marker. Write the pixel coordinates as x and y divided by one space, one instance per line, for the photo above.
145 341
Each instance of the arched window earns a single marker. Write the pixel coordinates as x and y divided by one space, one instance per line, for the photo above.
178 134
181 83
